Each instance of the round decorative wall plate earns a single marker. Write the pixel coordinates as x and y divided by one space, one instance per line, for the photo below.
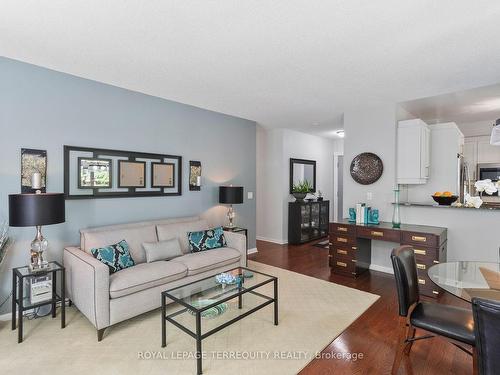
366 168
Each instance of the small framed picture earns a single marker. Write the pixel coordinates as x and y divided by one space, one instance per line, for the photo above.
33 161
194 175
162 175
132 174
94 173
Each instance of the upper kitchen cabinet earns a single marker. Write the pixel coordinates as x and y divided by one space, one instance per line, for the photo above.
413 156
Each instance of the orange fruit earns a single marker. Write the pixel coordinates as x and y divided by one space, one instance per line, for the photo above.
437 194
447 194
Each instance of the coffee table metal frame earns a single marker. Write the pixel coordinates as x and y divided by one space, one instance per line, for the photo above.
198 336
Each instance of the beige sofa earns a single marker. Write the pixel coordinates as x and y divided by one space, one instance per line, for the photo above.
109 299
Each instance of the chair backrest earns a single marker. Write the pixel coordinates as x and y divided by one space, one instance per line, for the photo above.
405 272
487 329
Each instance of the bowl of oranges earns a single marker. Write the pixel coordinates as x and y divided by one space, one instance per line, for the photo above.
445 198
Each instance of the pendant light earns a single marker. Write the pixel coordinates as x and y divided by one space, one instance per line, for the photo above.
495 134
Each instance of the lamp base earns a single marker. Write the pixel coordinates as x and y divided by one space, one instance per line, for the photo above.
230 216
38 246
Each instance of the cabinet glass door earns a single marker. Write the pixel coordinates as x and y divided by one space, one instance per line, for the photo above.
315 220
323 219
305 224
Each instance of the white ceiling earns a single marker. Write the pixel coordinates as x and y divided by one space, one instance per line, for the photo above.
281 63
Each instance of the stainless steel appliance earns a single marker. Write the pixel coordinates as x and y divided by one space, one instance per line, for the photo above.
489 171
465 184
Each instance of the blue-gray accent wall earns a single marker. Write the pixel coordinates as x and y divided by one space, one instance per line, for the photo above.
44 109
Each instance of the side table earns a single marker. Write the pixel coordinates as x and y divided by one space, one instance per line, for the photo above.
23 303
236 230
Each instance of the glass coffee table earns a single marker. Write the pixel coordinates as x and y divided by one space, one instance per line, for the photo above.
207 305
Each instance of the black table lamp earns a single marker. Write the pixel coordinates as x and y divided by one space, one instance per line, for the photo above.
35 210
230 195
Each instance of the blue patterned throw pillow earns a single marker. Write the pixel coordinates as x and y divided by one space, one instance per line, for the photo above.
116 257
206 239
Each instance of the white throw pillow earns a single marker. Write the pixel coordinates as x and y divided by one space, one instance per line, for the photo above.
162 250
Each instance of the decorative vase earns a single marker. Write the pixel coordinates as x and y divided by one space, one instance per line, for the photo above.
299 196
396 219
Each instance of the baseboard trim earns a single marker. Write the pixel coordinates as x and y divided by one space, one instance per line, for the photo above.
5 317
376 267
252 251
273 240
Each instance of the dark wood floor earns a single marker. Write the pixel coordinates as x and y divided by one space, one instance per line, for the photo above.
374 334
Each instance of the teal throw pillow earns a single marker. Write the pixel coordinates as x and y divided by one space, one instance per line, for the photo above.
116 257
206 239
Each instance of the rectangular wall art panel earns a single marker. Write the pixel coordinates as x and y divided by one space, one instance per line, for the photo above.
102 173
33 161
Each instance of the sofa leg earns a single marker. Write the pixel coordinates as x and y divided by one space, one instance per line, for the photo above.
100 334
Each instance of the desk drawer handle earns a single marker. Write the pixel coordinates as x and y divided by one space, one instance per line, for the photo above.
420 252
341 264
421 266
435 292
377 234
418 238
421 281
354 248
341 239
354 260
330 256
436 261
342 229
341 252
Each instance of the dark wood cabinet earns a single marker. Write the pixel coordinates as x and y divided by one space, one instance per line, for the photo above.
350 248
308 221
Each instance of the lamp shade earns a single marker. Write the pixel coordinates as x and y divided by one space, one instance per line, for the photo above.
231 194
29 210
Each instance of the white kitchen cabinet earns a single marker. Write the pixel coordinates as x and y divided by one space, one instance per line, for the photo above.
413 152
487 153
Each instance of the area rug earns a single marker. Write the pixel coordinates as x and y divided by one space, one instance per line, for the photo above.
312 313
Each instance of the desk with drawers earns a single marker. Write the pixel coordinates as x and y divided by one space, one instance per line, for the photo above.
350 248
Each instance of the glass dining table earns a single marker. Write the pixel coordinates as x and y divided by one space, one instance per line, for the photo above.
467 280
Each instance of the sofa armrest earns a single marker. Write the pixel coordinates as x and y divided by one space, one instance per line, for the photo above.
87 285
237 241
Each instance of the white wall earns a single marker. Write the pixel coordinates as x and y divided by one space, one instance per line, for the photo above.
275 147
270 175
372 129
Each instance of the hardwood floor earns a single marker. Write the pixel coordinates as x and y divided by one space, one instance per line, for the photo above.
374 334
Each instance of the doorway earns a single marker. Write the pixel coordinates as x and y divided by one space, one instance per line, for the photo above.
338 186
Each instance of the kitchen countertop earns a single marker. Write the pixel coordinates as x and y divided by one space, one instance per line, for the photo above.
485 206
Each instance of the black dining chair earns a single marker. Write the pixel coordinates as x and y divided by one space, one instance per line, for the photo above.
487 329
453 323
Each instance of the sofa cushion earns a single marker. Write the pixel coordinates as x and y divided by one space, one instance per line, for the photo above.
116 257
144 276
206 239
206 260
134 236
180 231
162 250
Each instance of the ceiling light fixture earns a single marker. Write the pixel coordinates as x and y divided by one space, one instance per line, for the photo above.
340 133
495 134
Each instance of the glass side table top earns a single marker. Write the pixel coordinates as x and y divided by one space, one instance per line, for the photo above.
467 280
25 270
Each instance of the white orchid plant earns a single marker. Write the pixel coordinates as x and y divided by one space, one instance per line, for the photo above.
482 186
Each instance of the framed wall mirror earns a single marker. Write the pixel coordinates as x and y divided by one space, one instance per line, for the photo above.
302 170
